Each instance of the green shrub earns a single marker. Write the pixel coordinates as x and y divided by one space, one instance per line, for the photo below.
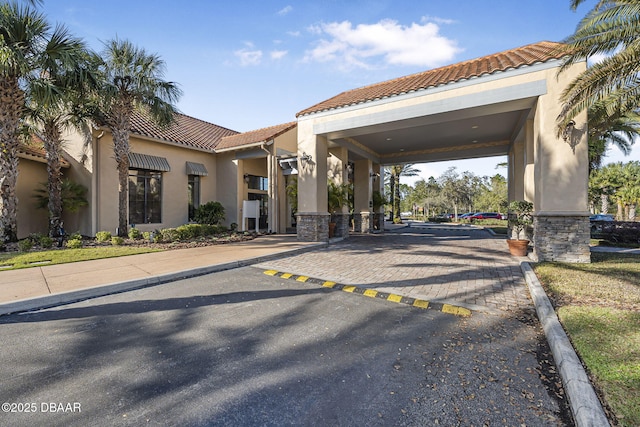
46 242
169 235
117 241
103 236
25 245
209 213
35 237
135 234
73 243
75 236
146 235
189 231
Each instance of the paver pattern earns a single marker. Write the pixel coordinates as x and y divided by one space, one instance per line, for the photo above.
457 264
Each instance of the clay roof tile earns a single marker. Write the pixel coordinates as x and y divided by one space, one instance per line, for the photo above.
510 59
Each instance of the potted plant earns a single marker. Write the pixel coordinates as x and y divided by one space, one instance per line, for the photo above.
519 219
378 201
338 196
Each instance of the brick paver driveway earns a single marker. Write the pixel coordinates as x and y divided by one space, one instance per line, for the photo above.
461 265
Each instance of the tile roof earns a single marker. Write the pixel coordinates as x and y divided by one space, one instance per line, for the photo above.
254 136
187 131
34 150
510 59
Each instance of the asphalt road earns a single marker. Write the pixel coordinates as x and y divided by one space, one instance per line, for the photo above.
242 348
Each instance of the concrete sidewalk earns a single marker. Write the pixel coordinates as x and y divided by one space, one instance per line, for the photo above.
37 287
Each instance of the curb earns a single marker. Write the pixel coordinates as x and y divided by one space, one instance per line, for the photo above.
585 406
372 293
70 297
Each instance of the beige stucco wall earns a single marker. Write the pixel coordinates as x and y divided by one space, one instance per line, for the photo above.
561 167
312 175
229 182
30 219
103 184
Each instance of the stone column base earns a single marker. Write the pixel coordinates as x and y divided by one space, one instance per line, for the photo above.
342 224
562 238
362 222
312 227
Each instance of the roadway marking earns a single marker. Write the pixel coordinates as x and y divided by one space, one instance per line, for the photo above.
372 293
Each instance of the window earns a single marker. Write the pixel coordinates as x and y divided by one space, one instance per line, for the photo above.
194 195
145 197
258 183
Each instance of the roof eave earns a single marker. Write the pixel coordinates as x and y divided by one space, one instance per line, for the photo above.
245 146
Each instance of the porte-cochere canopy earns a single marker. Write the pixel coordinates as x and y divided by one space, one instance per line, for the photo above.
501 104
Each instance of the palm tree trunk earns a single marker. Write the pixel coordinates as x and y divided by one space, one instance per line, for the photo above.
121 151
392 185
396 198
52 145
11 105
620 214
604 201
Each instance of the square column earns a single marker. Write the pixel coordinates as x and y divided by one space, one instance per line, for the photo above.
561 217
362 196
312 217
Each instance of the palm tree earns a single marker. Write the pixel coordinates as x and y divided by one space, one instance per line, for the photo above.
619 129
610 29
132 80
26 46
56 102
396 171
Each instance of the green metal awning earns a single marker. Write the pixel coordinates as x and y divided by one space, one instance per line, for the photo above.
196 169
146 161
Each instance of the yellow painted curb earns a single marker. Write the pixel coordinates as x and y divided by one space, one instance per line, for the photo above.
421 303
394 298
458 311
372 293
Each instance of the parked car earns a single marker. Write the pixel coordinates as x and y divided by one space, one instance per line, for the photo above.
601 217
486 215
598 221
466 215
445 216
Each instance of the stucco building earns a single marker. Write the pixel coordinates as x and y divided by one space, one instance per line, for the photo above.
501 104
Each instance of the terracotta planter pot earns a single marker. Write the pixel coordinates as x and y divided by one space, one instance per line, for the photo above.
518 247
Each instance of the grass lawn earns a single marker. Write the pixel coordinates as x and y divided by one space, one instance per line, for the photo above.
15 260
599 307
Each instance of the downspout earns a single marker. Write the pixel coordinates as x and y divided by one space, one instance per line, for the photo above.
96 185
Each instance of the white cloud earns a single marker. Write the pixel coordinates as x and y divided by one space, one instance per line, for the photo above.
278 54
248 56
294 33
285 10
365 45
437 20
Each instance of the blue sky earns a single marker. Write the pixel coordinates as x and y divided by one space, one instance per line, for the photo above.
246 65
